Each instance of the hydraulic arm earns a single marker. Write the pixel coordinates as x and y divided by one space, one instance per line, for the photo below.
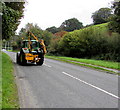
41 41
32 51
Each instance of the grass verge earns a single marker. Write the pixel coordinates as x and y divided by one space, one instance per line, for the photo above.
102 63
15 51
9 88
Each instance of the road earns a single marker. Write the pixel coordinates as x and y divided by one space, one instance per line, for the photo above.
57 84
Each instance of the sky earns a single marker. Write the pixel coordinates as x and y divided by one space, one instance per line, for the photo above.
48 13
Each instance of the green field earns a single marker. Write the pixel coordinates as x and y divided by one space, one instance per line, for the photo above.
101 27
9 88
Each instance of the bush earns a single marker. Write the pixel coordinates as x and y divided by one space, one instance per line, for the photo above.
91 42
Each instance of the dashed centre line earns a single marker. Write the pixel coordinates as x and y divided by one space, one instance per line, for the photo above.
47 65
93 86
102 90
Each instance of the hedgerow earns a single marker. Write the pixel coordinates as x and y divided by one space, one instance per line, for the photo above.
95 42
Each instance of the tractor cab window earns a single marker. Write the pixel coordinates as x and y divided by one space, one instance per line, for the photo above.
35 45
25 44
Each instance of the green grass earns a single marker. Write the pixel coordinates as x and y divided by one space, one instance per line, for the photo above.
101 27
9 88
102 63
15 51
9 50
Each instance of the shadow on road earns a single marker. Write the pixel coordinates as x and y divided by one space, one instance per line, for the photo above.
28 64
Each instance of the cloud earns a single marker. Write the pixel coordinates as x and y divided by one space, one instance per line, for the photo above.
47 13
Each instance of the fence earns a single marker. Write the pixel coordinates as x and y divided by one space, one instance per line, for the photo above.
8 48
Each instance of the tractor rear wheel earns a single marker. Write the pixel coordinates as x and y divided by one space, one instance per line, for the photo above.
40 61
17 59
23 61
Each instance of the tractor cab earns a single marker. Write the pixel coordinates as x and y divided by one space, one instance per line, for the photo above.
34 45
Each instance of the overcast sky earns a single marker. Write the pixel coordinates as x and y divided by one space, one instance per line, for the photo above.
48 13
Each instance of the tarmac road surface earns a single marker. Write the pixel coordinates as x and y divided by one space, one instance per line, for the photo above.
57 84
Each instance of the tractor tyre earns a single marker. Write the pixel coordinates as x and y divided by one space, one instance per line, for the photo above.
17 59
40 61
23 61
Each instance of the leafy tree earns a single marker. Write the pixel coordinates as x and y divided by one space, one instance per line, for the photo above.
0 20
53 29
60 34
54 48
71 25
32 28
102 15
0 27
37 31
19 6
11 14
47 37
91 42
114 25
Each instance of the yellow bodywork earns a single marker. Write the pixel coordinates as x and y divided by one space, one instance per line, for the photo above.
40 41
30 57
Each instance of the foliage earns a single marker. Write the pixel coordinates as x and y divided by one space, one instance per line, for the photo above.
11 15
0 20
68 25
60 34
53 29
91 42
114 25
0 27
37 31
9 89
101 16
19 6
54 47
47 37
71 25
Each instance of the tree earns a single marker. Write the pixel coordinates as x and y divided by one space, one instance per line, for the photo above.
114 25
11 14
53 29
60 34
37 31
0 20
101 16
19 6
54 48
32 28
71 25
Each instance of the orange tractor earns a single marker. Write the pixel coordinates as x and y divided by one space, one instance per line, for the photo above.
32 51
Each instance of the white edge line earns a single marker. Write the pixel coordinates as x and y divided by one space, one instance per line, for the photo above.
92 85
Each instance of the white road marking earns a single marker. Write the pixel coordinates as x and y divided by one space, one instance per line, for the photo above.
47 65
92 85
